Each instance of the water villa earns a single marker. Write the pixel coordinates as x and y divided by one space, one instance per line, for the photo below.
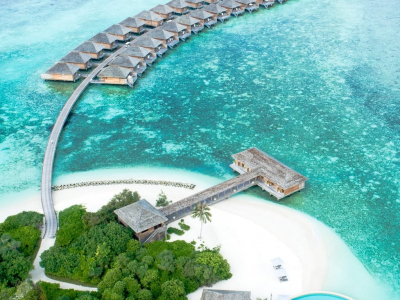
150 18
180 31
192 24
205 18
135 25
164 11
141 53
147 223
62 72
106 40
135 65
232 7
209 294
180 7
211 1
218 12
165 36
92 49
156 46
249 5
266 3
122 33
272 176
195 4
82 60
116 75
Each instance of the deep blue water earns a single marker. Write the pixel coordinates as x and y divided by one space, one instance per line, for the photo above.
314 83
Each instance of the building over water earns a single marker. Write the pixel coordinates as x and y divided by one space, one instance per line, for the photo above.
62 72
219 12
150 18
205 18
143 54
116 75
180 31
135 25
164 11
144 219
234 8
80 59
209 294
192 24
134 64
165 36
91 48
121 32
156 46
180 7
106 40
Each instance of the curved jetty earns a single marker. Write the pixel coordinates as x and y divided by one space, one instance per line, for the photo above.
108 40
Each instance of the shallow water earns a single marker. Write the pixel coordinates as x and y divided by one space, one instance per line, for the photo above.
315 84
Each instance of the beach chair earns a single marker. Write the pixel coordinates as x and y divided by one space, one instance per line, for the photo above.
277 262
281 274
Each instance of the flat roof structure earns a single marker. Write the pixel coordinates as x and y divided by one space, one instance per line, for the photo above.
209 294
140 216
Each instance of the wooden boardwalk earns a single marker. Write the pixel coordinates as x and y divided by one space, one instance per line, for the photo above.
51 224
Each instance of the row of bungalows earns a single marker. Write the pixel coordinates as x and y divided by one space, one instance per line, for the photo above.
192 24
164 11
144 54
121 32
218 12
108 41
164 36
206 19
157 47
195 4
135 25
116 75
180 31
150 18
180 7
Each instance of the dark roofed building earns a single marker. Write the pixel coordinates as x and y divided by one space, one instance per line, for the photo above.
116 75
121 32
106 40
179 30
192 24
163 35
150 18
144 54
135 25
205 18
221 13
266 3
62 71
234 8
91 48
164 11
274 177
82 60
209 294
136 65
180 7
195 4
249 5
156 46
144 219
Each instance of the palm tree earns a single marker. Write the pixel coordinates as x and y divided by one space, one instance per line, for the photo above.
202 212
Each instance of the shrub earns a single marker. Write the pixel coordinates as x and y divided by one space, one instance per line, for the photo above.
177 231
183 226
71 226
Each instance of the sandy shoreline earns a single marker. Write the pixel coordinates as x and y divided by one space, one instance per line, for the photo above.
251 231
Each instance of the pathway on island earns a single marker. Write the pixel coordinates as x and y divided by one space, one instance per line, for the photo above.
47 171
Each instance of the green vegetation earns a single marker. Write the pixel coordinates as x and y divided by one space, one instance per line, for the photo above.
162 200
177 231
202 212
183 226
19 240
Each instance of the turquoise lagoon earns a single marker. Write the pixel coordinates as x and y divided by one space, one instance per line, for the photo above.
314 83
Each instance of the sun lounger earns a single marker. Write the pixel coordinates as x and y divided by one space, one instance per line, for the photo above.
277 262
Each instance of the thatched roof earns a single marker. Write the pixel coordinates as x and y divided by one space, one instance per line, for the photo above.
89 47
117 29
214 8
209 294
63 68
162 9
173 27
200 14
269 167
159 33
103 38
136 51
125 61
149 15
187 20
114 71
132 22
178 4
76 57
146 41
228 4
140 216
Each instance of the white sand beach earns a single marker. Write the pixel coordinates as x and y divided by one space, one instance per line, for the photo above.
251 232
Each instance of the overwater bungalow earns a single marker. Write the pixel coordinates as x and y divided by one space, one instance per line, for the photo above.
249 5
211 1
210 294
234 8
144 54
150 18
272 176
192 24
206 19
180 31
62 72
266 3
82 60
195 4
135 25
156 46
219 12
180 7
121 32
166 12
93 49
116 75
165 36
106 40
136 65
147 223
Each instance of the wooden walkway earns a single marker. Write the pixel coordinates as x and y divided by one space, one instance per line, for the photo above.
51 224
